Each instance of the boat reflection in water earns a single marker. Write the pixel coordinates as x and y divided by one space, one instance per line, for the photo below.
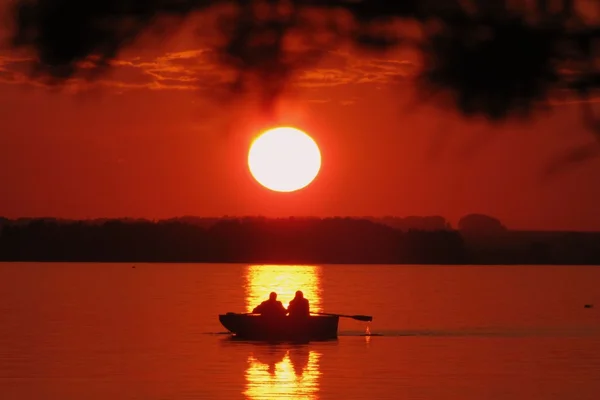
283 280
290 372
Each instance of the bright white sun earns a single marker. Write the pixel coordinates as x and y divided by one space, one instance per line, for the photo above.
284 159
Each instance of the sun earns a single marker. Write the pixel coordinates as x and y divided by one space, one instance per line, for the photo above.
284 159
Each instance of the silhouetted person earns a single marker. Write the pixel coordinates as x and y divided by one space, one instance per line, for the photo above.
299 306
271 307
299 357
268 356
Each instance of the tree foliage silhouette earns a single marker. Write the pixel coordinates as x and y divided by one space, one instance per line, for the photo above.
483 240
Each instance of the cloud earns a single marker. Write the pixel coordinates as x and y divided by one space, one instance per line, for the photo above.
11 69
346 68
199 70
571 158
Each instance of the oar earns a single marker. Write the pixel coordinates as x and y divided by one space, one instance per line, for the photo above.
365 318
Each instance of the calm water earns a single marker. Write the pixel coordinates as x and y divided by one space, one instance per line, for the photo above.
110 331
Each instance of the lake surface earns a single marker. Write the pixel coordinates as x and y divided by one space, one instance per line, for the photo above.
111 331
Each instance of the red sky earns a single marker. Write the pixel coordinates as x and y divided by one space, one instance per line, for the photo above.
148 141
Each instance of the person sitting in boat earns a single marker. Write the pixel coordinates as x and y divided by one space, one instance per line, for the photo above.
299 306
271 307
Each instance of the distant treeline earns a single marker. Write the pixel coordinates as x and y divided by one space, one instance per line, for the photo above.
478 240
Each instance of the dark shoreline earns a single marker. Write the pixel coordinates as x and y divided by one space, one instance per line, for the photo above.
336 241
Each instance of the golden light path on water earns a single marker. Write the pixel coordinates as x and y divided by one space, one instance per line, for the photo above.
283 280
290 372
295 376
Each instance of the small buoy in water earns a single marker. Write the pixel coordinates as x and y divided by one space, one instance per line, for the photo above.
588 306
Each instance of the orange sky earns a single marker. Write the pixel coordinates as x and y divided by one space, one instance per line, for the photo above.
150 143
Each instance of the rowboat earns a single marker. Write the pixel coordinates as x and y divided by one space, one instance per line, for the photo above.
257 327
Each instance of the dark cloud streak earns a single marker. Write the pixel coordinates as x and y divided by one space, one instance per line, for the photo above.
482 57
66 33
486 58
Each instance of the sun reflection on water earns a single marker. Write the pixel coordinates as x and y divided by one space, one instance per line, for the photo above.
284 280
290 374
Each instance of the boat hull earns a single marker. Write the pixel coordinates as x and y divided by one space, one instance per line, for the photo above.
256 327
